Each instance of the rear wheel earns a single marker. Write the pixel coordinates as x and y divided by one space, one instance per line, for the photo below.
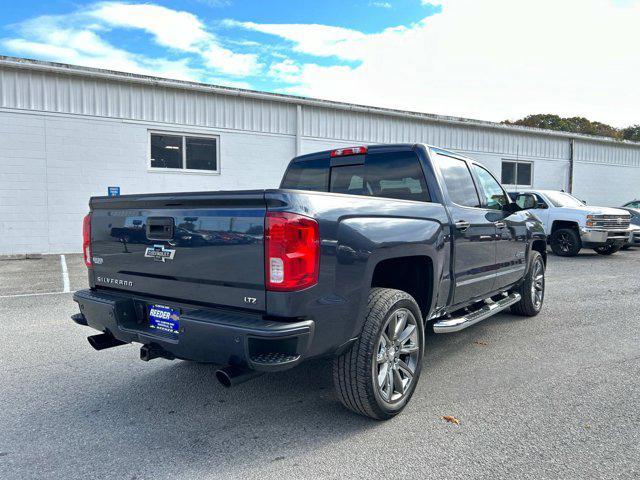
377 376
565 242
532 288
609 248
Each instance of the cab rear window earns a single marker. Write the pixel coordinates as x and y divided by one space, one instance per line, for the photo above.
389 174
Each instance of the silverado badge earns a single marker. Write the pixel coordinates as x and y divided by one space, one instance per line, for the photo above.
159 253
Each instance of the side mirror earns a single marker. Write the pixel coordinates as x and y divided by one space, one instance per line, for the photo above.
527 201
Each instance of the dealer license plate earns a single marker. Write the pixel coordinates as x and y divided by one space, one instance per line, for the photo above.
164 319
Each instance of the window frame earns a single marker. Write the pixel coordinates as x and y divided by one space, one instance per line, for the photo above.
473 179
184 136
480 186
515 173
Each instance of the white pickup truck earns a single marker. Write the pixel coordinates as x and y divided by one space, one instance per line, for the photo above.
570 224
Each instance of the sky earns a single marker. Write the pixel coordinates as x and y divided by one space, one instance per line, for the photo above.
484 59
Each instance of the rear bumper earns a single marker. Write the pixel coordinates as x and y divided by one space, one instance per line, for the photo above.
206 335
590 236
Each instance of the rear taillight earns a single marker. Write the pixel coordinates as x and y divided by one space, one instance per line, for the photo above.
86 240
292 251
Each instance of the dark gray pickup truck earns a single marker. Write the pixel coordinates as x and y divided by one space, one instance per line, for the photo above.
356 254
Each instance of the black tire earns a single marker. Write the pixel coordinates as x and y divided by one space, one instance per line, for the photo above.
531 290
626 246
565 242
355 369
609 248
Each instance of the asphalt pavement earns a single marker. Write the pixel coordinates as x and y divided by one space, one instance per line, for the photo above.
555 396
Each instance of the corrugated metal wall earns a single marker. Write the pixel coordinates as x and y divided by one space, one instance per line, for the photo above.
607 153
53 92
50 91
344 125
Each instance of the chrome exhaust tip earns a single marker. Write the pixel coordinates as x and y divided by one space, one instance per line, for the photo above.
232 375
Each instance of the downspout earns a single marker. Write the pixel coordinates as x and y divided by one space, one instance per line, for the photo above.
572 146
298 130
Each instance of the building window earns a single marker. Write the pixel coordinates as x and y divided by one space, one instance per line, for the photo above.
184 152
517 173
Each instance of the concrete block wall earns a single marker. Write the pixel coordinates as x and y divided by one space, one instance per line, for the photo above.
52 165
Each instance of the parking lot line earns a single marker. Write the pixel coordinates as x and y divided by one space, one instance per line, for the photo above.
65 274
35 294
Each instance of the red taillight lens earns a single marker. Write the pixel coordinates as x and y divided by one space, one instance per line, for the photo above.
292 251
343 152
86 240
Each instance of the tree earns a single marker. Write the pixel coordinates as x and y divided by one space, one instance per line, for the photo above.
631 133
550 121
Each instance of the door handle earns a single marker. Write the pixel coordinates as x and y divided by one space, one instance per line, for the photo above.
500 224
462 225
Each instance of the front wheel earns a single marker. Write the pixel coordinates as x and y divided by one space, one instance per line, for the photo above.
609 248
532 288
565 242
377 376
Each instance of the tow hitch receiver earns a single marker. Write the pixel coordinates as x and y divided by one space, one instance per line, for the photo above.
149 352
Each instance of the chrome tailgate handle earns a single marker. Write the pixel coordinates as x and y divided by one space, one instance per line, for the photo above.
160 228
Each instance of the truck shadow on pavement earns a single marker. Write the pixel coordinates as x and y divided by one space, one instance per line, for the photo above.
140 411
180 406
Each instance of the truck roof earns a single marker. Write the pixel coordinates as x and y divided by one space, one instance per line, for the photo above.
378 148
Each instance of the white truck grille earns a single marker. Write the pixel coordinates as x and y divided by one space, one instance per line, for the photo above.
612 222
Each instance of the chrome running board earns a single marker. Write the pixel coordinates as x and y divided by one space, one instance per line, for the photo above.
460 323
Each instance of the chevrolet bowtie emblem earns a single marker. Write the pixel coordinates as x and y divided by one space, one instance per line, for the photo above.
159 253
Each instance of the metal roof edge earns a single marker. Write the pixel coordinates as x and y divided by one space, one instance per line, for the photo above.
76 70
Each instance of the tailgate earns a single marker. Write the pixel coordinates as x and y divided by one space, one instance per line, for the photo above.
190 247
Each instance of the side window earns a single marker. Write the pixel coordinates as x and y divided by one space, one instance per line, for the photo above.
396 175
494 196
307 175
520 200
458 180
390 175
541 202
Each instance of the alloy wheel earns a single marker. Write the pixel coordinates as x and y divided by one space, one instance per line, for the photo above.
397 355
565 241
537 284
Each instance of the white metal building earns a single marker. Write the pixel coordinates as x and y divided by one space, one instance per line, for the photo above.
67 133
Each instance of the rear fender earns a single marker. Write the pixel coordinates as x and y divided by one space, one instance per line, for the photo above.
364 242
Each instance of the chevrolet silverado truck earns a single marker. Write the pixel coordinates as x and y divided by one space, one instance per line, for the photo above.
571 225
358 252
